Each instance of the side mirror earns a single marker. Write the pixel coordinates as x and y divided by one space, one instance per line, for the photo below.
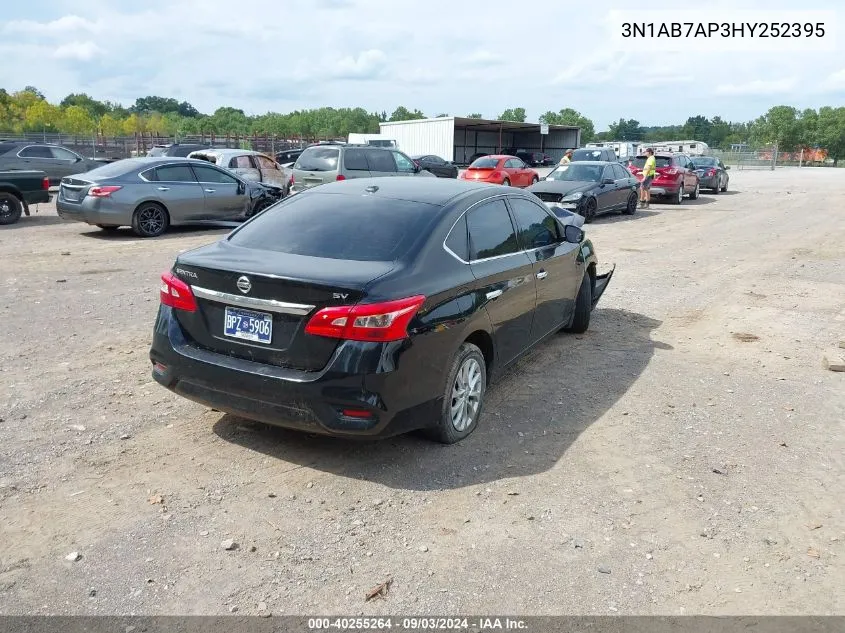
77 159
608 181
573 234
727 167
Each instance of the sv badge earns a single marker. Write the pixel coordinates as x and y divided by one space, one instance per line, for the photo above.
339 295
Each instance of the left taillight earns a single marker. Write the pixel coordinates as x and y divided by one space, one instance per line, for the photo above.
379 322
712 172
177 294
45 184
104 191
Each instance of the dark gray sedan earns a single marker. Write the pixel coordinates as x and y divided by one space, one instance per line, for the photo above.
54 160
712 173
150 194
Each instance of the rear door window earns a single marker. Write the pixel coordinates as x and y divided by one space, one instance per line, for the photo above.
355 160
36 151
240 162
333 226
264 162
491 231
172 173
318 159
380 160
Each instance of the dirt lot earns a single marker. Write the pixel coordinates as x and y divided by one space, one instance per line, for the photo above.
684 456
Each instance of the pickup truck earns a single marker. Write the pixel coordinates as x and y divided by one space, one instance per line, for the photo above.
18 190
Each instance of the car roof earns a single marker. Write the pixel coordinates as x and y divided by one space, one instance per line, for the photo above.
594 162
224 151
434 191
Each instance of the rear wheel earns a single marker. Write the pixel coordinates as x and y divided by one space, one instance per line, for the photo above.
463 396
150 220
590 209
718 186
725 186
679 197
631 207
583 307
506 183
694 194
10 208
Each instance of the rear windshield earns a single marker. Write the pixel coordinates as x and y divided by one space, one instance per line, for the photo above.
659 161
318 159
335 226
588 154
704 161
486 163
112 170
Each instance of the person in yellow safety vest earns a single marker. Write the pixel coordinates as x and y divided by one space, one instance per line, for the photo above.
649 172
567 158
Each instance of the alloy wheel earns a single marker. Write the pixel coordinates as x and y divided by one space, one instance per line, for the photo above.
151 220
466 395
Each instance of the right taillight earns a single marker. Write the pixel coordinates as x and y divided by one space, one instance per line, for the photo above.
380 322
45 184
177 294
340 177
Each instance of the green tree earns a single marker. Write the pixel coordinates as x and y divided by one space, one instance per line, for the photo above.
513 114
626 130
77 121
475 115
35 92
830 130
402 113
697 128
134 124
110 125
95 108
42 116
779 125
568 116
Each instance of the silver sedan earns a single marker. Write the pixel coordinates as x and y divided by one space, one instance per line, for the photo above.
150 194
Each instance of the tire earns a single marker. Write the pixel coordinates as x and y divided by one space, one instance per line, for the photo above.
631 207
150 220
10 208
679 197
590 210
694 194
259 206
506 183
109 228
725 187
718 187
583 307
468 368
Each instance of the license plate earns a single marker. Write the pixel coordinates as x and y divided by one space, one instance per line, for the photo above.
248 325
70 194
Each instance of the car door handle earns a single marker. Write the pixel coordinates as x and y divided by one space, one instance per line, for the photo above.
210 190
542 274
163 188
495 294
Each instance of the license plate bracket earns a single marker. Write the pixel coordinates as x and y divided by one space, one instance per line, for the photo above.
248 325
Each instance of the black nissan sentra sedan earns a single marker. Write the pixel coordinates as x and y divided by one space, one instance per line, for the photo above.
372 307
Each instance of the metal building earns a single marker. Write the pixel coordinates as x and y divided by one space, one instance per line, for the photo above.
459 138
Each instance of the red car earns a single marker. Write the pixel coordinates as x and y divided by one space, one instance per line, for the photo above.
675 176
501 170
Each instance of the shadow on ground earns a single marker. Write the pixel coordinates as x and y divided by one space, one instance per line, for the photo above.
34 220
175 232
611 218
532 415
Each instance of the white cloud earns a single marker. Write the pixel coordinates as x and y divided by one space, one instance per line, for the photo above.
449 58
65 24
80 51
368 64
758 87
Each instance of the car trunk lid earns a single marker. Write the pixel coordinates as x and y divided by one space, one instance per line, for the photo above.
280 294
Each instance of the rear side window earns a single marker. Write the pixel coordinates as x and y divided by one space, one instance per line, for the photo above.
335 226
355 160
173 173
36 151
240 162
6 147
209 174
318 159
490 230
457 240
536 227
380 160
264 162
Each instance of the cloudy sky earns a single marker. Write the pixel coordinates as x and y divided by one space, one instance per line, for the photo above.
437 55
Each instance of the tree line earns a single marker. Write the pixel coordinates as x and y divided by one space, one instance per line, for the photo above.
79 114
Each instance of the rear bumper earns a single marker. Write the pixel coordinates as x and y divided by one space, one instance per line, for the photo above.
711 182
37 197
301 400
94 211
664 189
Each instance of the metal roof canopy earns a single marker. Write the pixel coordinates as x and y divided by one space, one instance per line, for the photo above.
489 125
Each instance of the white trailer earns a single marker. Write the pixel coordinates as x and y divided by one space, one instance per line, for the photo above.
690 147
623 149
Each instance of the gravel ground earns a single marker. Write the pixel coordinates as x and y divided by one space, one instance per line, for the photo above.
685 456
